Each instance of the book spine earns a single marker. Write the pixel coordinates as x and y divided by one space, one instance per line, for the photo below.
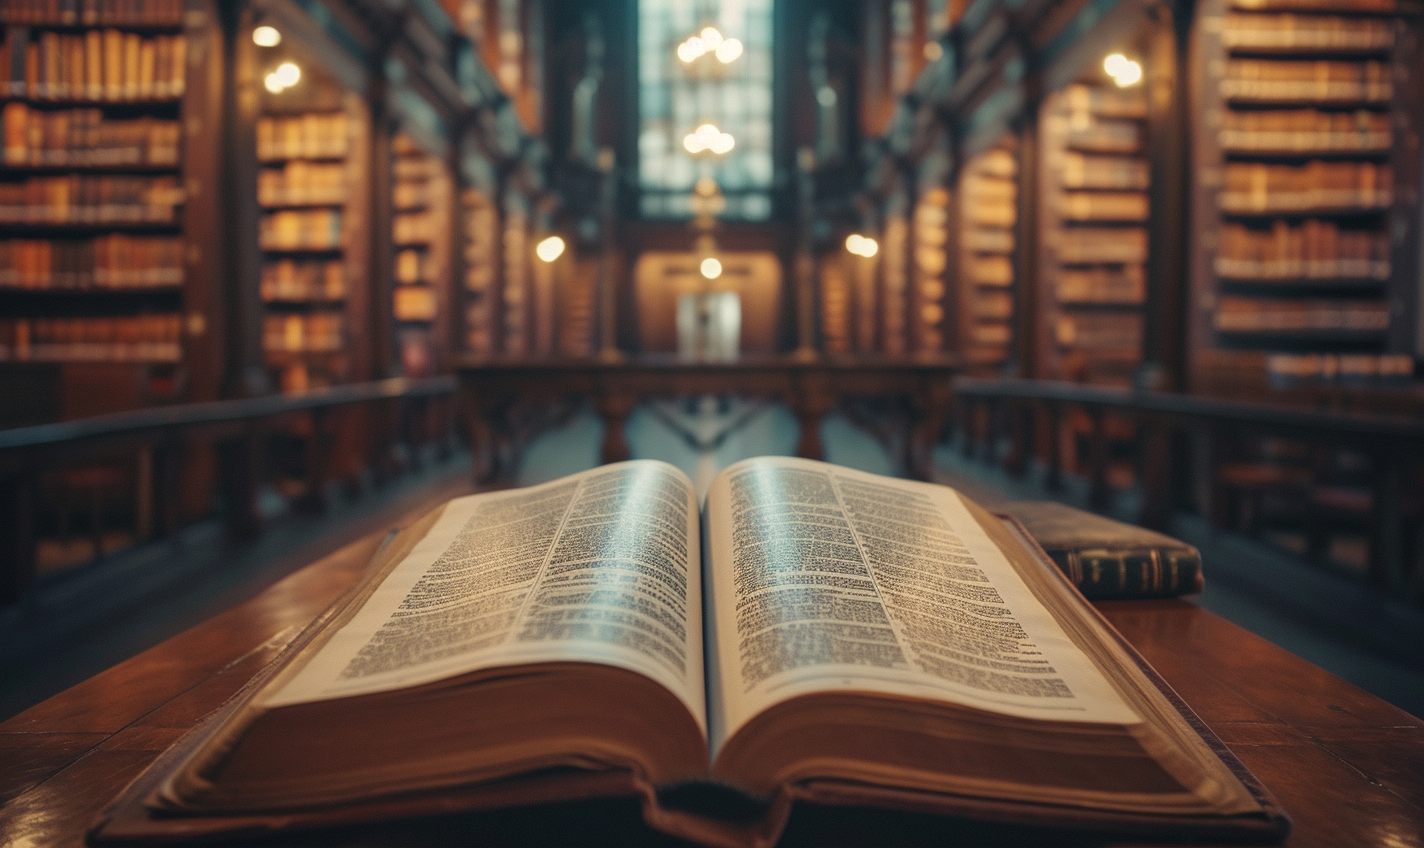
1122 573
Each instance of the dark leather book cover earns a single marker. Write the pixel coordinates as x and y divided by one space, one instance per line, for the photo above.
1109 559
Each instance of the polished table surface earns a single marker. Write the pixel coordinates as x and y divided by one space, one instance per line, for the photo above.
1348 767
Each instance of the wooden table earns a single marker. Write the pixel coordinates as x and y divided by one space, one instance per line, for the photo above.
1347 766
490 388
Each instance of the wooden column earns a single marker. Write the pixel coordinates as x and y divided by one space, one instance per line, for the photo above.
240 267
380 321
1024 352
1164 331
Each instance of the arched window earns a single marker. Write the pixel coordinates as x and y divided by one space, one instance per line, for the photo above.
686 81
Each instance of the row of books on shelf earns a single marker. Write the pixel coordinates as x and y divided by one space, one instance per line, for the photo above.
414 227
991 304
1107 135
415 303
1256 315
1109 284
1318 184
300 280
1317 5
1286 369
140 338
299 182
1106 101
80 138
311 135
1307 32
319 332
1099 330
93 12
1102 244
1103 206
99 65
999 240
412 194
91 199
1305 131
300 229
1323 80
113 261
1103 172
1312 250
411 266
990 270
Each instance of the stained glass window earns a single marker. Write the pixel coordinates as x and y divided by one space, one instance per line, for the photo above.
720 85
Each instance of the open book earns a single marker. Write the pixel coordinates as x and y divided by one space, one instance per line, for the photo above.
816 634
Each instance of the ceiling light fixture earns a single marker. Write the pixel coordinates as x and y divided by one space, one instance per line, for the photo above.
549 249
1124 71
266 36
708 138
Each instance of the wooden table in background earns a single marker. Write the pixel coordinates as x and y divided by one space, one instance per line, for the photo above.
490 387
1347 766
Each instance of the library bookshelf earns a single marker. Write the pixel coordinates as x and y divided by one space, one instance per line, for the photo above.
92 201
1308 168
987 195
1093 216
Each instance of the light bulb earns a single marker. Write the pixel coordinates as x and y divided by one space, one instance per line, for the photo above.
272 84
1114 64
711 38
287 74
711 268
549 249
729 50
266 36
1131 75
690 50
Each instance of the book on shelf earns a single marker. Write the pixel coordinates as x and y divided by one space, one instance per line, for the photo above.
815 634
134 338
93 12
107 65
1099 330
1272 315
1325 81
1314 250
89 199
112 261
1109 559
82 138
311 135
1317 185
1305 131
1102 244
1307 33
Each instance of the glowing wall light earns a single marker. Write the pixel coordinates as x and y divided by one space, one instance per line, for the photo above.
861 245
549 249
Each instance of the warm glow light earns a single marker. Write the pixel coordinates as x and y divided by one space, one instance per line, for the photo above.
861 246
287 74
549 249
272 84
711 38
1124 71
690 49
729 50
266 36
711 268
708 137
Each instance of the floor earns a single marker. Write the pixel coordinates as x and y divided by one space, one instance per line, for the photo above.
1327 618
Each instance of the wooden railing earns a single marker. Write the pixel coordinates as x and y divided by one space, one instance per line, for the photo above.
1030 415
185 462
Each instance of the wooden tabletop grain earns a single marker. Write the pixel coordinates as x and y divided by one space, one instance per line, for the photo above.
1348 767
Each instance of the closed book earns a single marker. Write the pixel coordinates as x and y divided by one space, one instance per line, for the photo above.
1109 559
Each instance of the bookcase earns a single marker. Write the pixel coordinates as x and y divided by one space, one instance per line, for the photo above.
422 205
516 312
1307 207
92 265
928 266
311 188
894 288
479 219
988 212
1093 215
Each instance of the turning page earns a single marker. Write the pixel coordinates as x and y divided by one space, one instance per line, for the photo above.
601 566
824 578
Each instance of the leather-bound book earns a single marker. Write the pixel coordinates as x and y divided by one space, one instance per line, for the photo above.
1109 559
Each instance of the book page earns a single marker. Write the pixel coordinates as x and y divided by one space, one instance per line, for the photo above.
602 566
824 578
